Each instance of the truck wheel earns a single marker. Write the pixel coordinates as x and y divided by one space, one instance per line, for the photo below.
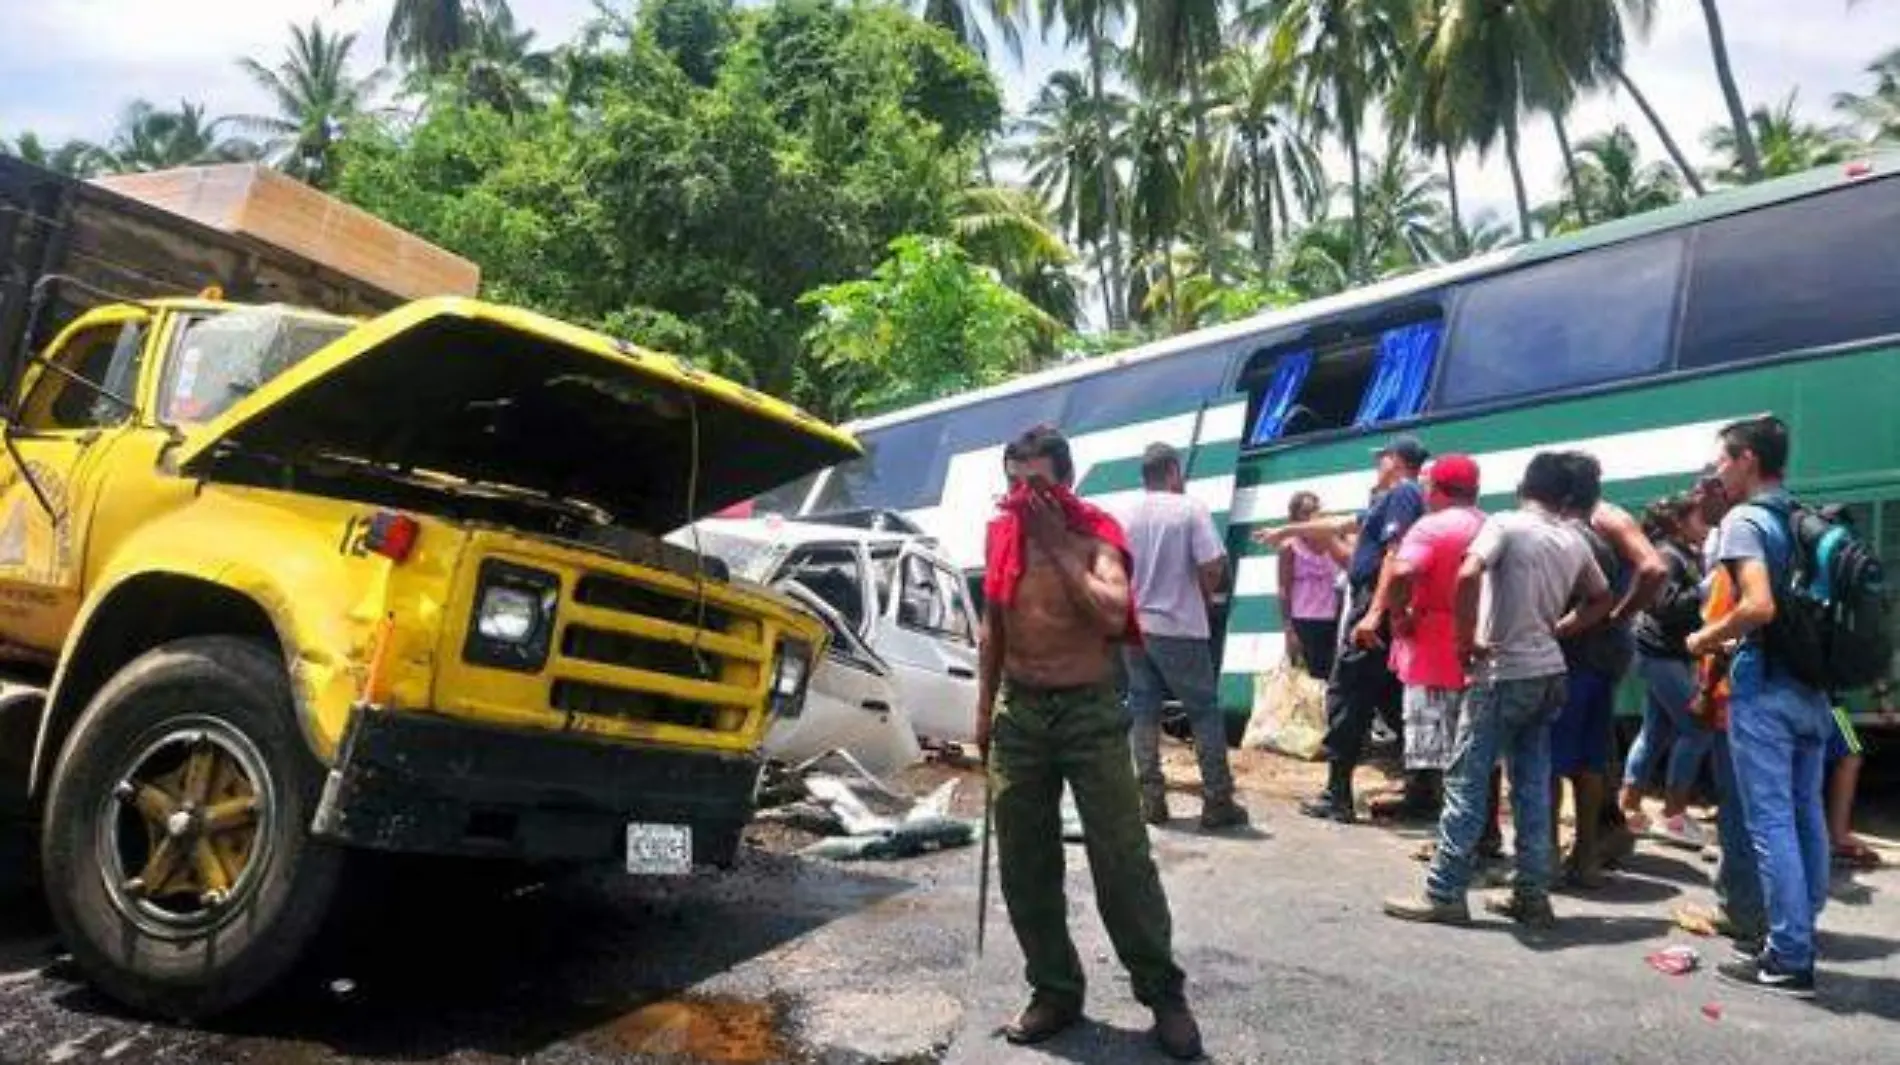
176 855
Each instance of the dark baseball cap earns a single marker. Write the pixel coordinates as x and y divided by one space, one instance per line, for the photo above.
1406 449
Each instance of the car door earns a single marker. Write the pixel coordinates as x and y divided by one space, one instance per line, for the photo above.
926 629
73 410
835 573
852 703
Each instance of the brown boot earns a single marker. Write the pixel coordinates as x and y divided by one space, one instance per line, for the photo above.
1042 1020
1177 1032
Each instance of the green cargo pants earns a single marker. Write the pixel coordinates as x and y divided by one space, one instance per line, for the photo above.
1041 738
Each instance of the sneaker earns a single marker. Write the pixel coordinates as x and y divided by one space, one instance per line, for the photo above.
1228 814
1424 909
1327 807
1746 948
1765 975
1682 832
1530 912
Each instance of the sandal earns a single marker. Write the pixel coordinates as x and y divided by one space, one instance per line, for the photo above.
1856 855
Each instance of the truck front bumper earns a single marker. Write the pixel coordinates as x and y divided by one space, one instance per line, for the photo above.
419 783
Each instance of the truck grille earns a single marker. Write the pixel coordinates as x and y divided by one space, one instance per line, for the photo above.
637 651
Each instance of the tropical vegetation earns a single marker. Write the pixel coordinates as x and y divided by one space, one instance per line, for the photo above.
826 199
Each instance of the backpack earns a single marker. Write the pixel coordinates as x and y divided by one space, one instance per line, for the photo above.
1830 626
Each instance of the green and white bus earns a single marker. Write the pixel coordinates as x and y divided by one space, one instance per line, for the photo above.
1634 340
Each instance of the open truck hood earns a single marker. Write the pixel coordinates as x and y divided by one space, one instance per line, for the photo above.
494 394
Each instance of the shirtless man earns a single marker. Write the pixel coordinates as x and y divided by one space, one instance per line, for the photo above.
1056 606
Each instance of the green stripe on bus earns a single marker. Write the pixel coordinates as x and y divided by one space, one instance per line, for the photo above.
1124 475
1254 613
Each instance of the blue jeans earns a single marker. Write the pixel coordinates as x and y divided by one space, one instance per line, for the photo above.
1737 878
1184 666
1667 726
1509 719
1778 731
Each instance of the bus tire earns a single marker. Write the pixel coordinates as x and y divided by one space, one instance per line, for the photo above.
176 855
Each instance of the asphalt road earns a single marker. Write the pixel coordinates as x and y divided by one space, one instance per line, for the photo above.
786 960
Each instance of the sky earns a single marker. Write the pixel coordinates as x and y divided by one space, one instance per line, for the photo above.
68 67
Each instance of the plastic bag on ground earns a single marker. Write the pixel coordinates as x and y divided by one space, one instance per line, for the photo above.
1289 713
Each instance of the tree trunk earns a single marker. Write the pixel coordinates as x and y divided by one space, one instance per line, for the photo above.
1349 128
1203 186
1689 175
1517 181
1737 114
1570 169
1111 220
1262 208
1101 270
1460 246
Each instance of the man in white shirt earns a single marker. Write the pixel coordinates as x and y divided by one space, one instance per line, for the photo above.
1179 563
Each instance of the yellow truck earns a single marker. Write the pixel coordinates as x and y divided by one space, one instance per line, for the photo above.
276 585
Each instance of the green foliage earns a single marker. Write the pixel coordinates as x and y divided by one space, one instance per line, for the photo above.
709 181
926 323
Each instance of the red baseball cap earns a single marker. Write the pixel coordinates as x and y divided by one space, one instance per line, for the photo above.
1456 473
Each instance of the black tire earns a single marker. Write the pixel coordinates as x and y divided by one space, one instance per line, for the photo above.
230 687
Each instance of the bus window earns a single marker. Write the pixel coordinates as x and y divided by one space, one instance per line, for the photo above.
902 469
1805 274
998 421
1152 388
1592 318
1358 382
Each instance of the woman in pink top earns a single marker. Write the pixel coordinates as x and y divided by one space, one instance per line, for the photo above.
1309 595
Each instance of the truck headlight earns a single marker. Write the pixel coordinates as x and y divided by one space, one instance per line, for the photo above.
513 625
791 674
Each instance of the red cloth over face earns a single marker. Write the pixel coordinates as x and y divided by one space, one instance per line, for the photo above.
1005 556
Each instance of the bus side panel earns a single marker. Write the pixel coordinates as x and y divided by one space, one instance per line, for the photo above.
1650 441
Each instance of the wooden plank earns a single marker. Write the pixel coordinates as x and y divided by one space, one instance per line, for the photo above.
260 203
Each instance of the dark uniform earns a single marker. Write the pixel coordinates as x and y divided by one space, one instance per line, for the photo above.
1362 683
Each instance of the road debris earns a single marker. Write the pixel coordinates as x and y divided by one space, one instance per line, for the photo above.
870 820
1679 960
1712 1010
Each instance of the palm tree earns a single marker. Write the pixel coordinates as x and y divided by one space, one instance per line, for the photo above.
74 158
1641 14
1274 161
1783 142
151 139
1347 52
1057 141
1412 108
1405 212
427 34
1008 230
1486 65
964 20
315 97
1176 42
1747 154
1159 147
1877 113
1093 23
1614 182
500 67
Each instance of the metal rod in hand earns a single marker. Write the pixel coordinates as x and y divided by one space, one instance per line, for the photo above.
983 872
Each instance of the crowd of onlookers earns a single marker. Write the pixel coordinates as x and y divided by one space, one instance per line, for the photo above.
1493 645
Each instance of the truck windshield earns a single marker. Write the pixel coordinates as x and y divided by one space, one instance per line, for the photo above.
219 359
